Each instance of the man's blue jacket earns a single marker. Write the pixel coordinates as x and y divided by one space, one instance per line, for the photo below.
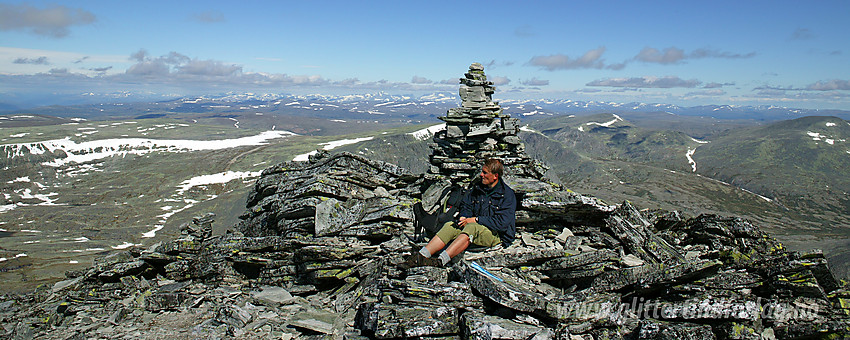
494 207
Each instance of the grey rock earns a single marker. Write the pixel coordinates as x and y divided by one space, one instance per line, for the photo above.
123 269
61 285
272 296
631 261
584 310
564 235
414 291
384 321
579 260
315 320
486 327
454 131
530 241
565 207
165 301
428 275
656 330
514 257
651 274
233 315
632 229
500 288
708 308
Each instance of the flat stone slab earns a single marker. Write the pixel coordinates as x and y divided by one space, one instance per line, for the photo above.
501 289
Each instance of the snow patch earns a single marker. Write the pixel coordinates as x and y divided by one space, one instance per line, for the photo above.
221 177
304 156
45 198
691 160
608 123
329 146
426 133
335 144
818 137
527 128
125 245
98 149
2 259
759 196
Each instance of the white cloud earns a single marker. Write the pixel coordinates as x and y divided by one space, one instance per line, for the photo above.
35 61
590 59
674 55
52 21
535 82
420 80
210 17
829 85
670 55
706 93
646 82
802 34
495 79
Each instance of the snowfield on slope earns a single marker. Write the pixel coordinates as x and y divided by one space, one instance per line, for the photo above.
330 146
88 151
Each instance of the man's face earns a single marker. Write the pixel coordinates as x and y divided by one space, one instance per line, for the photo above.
488 178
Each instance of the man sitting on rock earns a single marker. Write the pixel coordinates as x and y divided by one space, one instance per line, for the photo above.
487 218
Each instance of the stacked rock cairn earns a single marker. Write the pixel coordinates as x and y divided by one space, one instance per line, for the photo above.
477 130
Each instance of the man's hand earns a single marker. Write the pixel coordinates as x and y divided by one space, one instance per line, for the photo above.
464 220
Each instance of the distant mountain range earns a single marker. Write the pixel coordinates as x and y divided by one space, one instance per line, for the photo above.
384 106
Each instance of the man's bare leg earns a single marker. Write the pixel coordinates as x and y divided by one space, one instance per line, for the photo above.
435 245
458 245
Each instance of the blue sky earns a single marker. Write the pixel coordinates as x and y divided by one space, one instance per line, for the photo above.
784 53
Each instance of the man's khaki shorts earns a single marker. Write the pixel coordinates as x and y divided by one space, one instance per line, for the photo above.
479 235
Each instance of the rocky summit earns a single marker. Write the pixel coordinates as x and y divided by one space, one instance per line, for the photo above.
318 250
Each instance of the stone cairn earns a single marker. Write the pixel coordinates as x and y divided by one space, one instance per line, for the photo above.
478 130
317 254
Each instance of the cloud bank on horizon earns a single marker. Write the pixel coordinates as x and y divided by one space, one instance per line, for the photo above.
672 52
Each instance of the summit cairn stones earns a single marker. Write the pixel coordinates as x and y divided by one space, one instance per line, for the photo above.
478 130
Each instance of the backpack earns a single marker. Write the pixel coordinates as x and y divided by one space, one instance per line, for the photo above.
451 198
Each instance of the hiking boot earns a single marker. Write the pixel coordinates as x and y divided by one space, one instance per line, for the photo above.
417 260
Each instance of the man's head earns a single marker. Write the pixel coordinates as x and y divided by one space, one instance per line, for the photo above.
491 172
